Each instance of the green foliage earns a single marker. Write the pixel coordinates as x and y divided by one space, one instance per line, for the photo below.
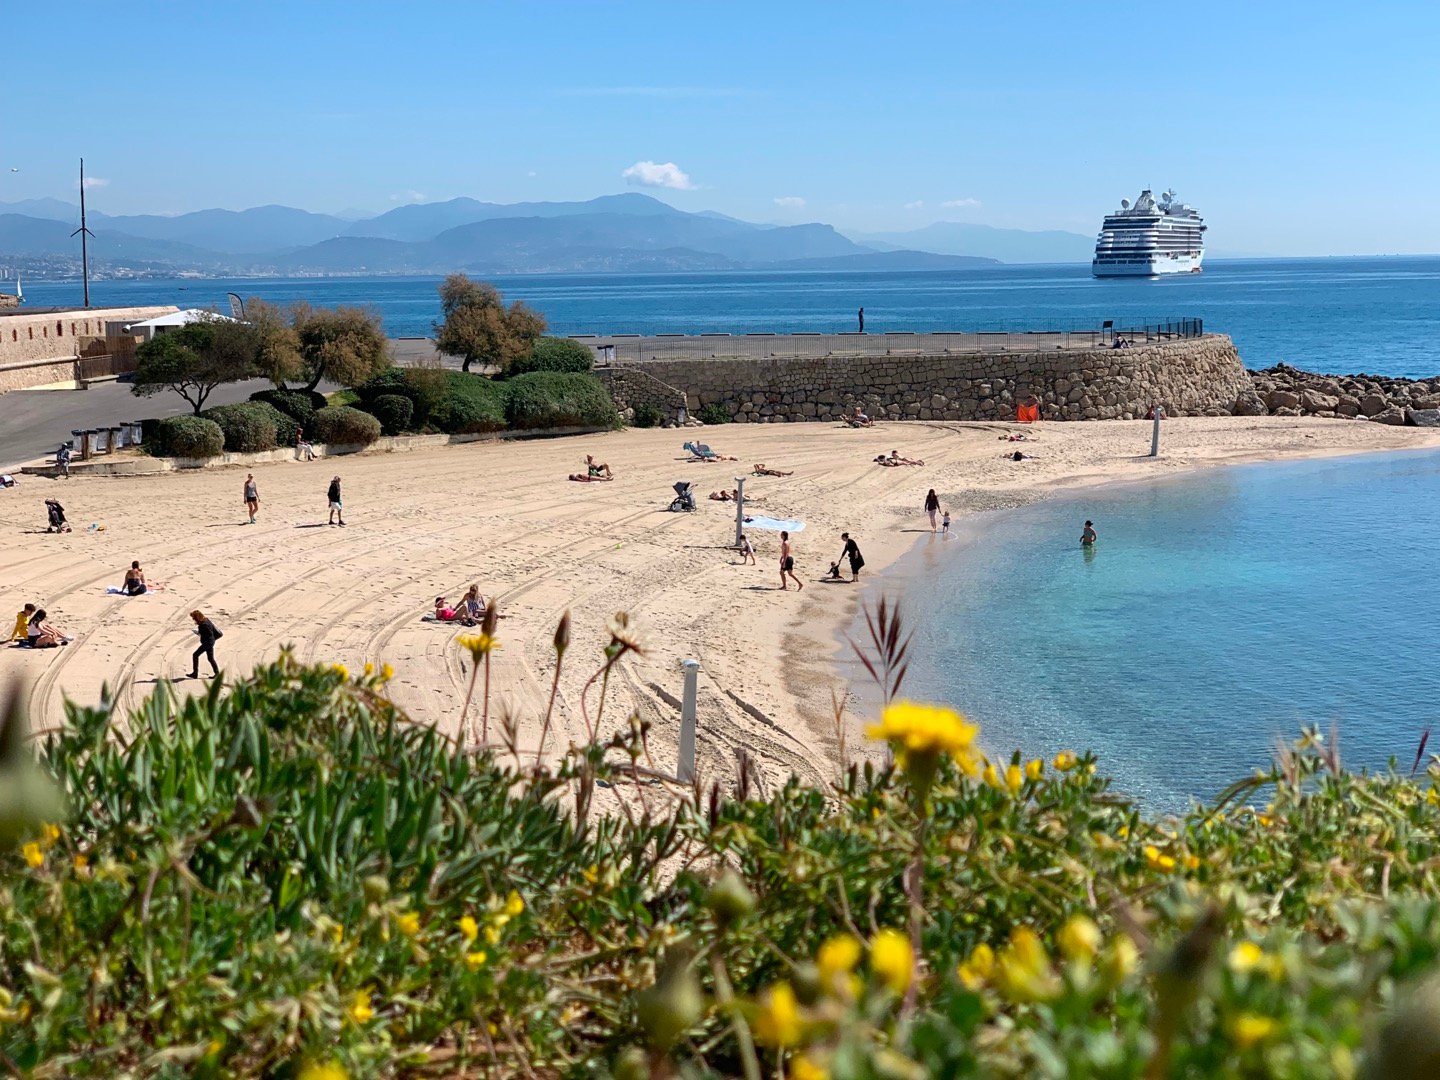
194 359
343 425
476 324
344 344
299 405
555 354
470 403
248 427
647 415
186 436
394 411
547 399
714 414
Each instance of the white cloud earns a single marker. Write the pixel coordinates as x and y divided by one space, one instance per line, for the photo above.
791 202
656 174
408 197
918 204
959 204
93 182
532 174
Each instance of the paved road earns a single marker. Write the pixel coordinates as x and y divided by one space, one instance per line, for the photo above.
34 422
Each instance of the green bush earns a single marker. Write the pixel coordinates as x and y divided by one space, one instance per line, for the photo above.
186 436
343 425
394 411
471 403
393 380
249 427
286 426
299 405
555 354
714 414
548 399
426 387
647 415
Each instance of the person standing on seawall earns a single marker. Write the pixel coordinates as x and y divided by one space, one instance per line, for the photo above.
862 320
335 505
932 507
208 636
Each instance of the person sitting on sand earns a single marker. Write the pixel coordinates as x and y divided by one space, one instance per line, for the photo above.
597 470
472 608
21 633
56 514
42 634
733 496
134 580
858 419
761 470
445 613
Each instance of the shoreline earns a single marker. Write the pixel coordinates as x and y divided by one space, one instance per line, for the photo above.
429 522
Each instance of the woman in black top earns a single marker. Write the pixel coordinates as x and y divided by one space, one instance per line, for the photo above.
134 580
932 507
334 496
851 551
208 636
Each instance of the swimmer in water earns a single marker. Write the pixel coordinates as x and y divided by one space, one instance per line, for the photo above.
1087 538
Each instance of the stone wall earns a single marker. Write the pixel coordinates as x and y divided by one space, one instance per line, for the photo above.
37 348
630 387
1189 377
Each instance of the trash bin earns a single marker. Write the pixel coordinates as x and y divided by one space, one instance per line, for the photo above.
137 432
117 437
100 440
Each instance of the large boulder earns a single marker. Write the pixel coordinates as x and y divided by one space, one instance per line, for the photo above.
1249 403
1373 404
1282 399
1313 401
1392 415
1348 406
1422 417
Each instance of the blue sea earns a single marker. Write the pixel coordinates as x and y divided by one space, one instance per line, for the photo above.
1219 614
1338 315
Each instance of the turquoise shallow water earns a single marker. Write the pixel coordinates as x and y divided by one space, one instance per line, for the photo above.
1220 612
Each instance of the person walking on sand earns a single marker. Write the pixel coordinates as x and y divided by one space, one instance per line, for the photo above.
336 507
861 316
932 507
787 563
1088 537
209 634
252 497
747 551
851 551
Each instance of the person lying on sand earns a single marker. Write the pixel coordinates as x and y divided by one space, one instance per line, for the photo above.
701 452
42 634
761 470
893 459
445 613
587 478
597 470
1018 456
732 495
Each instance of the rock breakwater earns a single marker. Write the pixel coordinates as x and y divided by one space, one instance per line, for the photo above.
1288 391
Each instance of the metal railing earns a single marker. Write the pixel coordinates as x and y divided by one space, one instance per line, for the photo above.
628 348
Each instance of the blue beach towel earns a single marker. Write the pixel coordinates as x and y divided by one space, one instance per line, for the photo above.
775 524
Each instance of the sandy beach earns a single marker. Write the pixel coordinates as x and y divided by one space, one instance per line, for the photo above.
502 515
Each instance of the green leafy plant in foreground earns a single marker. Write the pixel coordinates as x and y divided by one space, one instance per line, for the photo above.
284 877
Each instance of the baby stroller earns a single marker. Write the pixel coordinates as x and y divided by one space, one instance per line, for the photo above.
56 514
683 500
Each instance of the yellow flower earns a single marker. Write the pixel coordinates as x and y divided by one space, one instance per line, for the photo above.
1079 939
215 1046
329 1071
591 873
475 960
469 929
478 645
805 1068
836 957
978 967
33 855
1064 761
360 1010
49 835
991 777
778 1021
1192 862
1157 859
386 672
513 904
1119 961
1245 957
892 960
1247 1029
369 668
492 935
928 729
341 670
1035 769
1013 779
1023 970
408 923
82 866
337 933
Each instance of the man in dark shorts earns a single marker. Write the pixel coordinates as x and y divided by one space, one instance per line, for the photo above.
335 505
851 551
787 562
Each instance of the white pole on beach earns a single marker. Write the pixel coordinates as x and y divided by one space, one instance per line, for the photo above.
739 509
1155 436
685 768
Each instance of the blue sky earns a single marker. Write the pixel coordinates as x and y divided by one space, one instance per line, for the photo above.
1295 128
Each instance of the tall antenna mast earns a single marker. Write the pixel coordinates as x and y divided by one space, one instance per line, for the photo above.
83 233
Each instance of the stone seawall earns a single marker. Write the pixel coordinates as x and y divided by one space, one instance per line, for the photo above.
1189 377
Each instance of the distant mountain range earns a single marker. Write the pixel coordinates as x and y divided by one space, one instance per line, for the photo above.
622 233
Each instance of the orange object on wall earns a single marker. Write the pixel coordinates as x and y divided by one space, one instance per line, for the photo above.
1027 414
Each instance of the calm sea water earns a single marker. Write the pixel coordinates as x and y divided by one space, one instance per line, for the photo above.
1335 315
1219 613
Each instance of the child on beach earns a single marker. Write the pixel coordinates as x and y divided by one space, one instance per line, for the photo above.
209 634
945 524
747 551
22 624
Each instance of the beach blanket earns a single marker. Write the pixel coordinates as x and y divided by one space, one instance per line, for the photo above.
775 524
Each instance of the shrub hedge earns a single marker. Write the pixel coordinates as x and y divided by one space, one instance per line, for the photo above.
547 399
186 436
555 354
714 414
344 425
299 405
647 415
248 426
394 411
286 426
471 403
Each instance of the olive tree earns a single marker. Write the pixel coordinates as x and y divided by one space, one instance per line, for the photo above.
476 324
194 359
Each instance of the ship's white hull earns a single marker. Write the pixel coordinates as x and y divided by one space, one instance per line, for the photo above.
1154 266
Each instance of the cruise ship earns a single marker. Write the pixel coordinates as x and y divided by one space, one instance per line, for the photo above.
1150 238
